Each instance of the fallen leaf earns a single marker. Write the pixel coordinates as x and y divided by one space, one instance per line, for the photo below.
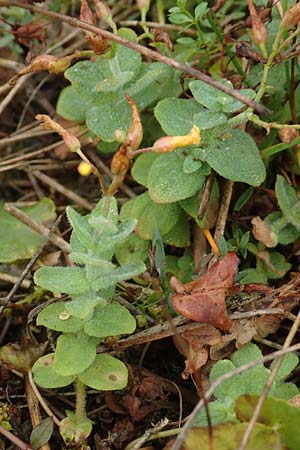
203 300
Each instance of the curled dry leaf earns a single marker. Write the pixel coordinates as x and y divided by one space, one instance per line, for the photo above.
160 35
203 300
259 30
196 350
263 233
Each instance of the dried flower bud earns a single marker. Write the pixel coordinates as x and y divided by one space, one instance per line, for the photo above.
86 14
98 43
120 162
135 133
162 36
71 141
103 11
291 17
143 4
84 169
170 143
259 30
49 63
287 135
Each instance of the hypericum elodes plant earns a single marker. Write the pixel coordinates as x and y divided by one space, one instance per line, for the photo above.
90 316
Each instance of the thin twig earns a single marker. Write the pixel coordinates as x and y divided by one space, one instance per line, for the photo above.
195 73
224 208
62 189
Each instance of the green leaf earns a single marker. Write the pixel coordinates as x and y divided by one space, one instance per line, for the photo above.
150 214
17 241
246 354
168 182
122 273
220 411
288 201
191 164
176 115
243 199
209 119
288 364
70 106
108 117
105 374
106 207
45 375
179 18
275 413
286 234
216 100
179 235
252 275
56 317
74 353
200 10
67 280
110 320
235 157
276 267
153 82
41 434
81 306
81 228
141 167
229 436
132 249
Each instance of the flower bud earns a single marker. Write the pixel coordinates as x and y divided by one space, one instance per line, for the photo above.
170 143
103 11
84 169
291 17
143 4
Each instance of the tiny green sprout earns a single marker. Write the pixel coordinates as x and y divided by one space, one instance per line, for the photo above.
90 315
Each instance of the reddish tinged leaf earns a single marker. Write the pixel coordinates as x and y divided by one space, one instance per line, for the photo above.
203 300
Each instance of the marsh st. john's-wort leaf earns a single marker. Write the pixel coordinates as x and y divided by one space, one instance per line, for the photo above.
74 353
168 182
236 157
106 374
70 106
203 300
149 215
56 317
176 115
110 320
17 240
67 280
45 375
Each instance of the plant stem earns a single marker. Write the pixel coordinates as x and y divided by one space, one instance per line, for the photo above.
80 401
267 67
160 11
